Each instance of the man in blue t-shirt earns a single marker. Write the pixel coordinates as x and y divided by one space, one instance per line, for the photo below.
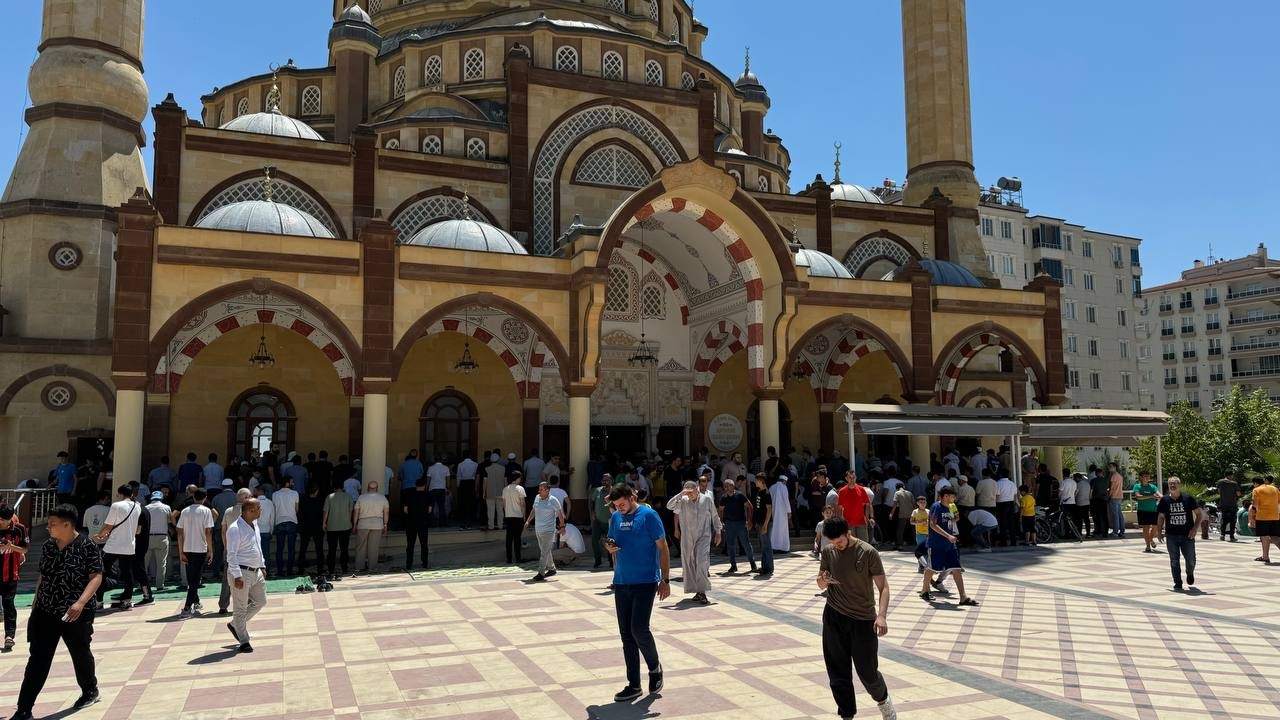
189 473
65 476
943 555
642 569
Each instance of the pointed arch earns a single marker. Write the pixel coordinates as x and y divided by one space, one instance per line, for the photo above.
722 341
967 343
59 370
875 246
428 206
290 190
857 338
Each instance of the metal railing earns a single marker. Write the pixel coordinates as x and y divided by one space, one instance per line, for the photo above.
1270 317
1252 293
1255 345
1256 372
32 506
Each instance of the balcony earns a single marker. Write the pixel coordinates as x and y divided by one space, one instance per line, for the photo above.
1255 346
1170 381
1244 295
1256 372
1255 320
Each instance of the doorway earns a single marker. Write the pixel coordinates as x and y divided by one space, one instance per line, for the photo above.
261 419
449 425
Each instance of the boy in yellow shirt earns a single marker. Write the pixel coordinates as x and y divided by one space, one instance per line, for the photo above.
920 519
1028 503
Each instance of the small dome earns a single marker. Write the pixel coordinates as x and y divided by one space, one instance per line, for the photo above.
274 123
821 264
262 216
748 80
467 235
856 193
356 13
941 272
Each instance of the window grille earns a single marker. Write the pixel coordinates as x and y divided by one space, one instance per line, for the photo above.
283 192
612 165
762 183
473 65
433 71
311 100
687 82
653 73
652 304
432 145
612 67
398 83
476 149
392 144
617 294
242 107
653 10
567 59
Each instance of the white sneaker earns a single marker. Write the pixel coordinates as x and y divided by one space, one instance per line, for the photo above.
887 711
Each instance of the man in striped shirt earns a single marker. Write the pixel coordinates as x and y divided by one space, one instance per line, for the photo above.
13 549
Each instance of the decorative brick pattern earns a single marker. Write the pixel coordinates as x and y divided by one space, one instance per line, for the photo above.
721 342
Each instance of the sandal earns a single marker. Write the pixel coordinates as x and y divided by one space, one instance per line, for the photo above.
925 596
968 601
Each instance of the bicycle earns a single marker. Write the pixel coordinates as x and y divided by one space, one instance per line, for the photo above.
1054 524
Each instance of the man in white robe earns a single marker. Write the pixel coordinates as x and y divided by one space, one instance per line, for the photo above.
698 527
780 534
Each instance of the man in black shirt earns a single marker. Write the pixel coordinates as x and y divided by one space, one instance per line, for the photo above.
761 517
733 511
320 471
1046 488
311 523
1180 515
1228 497
417 511
70 572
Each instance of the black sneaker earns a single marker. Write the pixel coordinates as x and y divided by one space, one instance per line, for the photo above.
86 700
927 597
147 600
627 694
1191 579
655 680
539 577
22 715
550 573
245 648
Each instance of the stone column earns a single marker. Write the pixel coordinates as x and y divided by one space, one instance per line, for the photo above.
768 427
131 408
373 451
1053 458
579 443
918 448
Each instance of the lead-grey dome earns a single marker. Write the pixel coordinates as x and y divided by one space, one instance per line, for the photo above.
262 216
855 193
356 13
941 272
273 123
821 264
467 235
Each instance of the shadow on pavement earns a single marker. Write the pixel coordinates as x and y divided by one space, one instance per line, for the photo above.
214 657
624 711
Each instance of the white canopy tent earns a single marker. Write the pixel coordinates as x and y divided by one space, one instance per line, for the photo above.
1061 428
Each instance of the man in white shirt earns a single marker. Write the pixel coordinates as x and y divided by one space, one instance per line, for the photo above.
95 517
156 561
213 474
286 526
551 470
266 520
371 514
733 469
466 474
1007 510
495 480
978 462
985 493
558 493
247 570
984 524
513 496
571 545
195 541
1067 495
438 490
941 483
118 537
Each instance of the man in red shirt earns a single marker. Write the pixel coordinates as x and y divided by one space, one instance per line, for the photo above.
855 503
13 549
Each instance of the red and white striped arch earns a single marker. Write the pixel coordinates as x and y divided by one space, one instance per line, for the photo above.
746 263
510 357
210 325
852 347
721 342
961 356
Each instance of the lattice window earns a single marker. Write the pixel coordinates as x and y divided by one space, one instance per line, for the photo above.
617 294
428 210
618 5
737 176
614 166
476 149
653 10
762 183
375 6
566 59
473 65
653 73
687 82
612 67
562 138
715 107
284 192
398 83
652 303
392 144
242 107
433 71
866 253
311 100
432 145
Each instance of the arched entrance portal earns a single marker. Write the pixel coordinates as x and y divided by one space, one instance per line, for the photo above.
449 426
261 419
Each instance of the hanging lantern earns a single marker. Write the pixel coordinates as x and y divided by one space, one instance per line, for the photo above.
262 357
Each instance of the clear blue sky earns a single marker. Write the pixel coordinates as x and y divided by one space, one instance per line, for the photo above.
1152 118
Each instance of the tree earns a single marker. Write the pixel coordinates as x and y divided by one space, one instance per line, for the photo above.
1200 450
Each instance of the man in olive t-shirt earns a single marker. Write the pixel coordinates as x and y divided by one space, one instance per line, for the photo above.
855 617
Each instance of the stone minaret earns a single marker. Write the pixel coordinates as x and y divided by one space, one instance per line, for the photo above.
935 57
79 161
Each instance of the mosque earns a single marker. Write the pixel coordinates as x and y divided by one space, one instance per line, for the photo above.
542 224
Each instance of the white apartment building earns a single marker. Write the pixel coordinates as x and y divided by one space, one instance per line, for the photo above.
1101 276
1217 326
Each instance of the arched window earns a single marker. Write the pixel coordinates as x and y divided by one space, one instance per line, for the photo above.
473 65
653 10
617 294
398 83
476 149
449 426
618 5
737 176
875 257
566 59
679 28
311 100
375 6
284 192
260 419
653 73
753 429
762 183
687 82
432 145
433 71
392 144
613 166
715 108
611 66
652 302
242 107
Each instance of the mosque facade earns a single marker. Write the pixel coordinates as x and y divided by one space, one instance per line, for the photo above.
547 225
